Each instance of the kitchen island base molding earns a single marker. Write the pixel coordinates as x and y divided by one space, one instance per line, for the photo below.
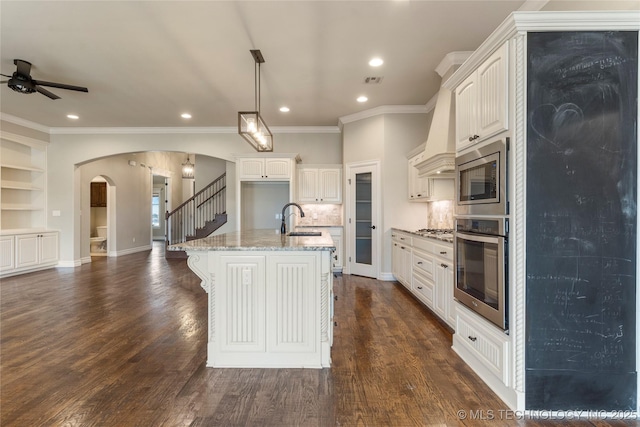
267 309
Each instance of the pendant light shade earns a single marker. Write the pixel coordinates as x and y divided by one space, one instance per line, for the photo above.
250 124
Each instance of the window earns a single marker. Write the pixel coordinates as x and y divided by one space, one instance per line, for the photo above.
155 210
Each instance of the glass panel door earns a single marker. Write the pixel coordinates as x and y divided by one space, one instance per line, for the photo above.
363 218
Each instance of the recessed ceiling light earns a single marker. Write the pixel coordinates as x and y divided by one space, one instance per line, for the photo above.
362 99
284 109
73 116
185 115
376 62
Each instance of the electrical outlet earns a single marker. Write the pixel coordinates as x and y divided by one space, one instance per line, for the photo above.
277 216
246 277
134 240
315 215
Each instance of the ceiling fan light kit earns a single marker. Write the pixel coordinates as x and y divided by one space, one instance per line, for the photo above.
22 82
250 124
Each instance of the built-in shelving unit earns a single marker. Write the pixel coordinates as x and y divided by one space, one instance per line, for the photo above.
26 244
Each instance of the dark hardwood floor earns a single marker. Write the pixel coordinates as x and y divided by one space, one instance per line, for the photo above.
122 342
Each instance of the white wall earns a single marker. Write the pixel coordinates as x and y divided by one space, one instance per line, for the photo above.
207 169
388 138
67 151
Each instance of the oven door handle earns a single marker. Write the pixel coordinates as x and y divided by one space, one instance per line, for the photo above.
482 238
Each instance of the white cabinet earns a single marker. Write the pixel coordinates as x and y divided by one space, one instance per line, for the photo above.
482 101
401 257
420 188
425 267
261 168
338 255
22 182
7 253
480 343
320 184
267 309
28 251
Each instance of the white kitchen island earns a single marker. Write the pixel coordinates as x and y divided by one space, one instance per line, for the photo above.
270 298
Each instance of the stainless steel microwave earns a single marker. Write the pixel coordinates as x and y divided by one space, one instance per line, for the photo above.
481 180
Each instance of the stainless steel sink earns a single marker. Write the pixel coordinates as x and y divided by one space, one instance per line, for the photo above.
304 233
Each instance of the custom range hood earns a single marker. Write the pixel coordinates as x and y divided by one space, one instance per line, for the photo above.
440 147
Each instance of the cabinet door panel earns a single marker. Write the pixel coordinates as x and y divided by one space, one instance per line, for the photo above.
330 185
465 112
7 254
251 168
293 298
492 96
307 185
278 168
241 301
49 248
26 250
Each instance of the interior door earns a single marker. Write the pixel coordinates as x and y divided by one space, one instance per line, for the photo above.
362 223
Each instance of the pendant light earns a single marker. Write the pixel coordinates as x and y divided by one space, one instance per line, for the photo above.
188 169
250 124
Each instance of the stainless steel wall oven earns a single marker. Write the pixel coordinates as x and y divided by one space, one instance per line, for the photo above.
481 274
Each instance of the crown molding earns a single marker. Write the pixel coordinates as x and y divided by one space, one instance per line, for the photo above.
431 104
305 129
24 123
451 59
383 109
601 20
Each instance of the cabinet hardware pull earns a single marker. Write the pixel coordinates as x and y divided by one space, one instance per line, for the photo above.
473 338
402 238
401 247
419 262
335 323
419 287
443 253
419 195
444 265
335 297
335 257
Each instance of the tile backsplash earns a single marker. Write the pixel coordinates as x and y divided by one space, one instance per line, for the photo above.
321 214
440 214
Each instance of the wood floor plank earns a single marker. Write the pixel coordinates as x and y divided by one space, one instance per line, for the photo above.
122 342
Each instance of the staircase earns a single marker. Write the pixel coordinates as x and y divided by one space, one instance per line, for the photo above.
198 217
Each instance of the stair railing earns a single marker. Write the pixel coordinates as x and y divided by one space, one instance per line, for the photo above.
195 212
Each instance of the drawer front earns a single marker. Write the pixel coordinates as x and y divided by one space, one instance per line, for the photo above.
423 288
403 238
489 347
423 263
424 244
443 251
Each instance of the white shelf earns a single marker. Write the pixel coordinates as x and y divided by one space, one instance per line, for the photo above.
22 168
19 186
21 208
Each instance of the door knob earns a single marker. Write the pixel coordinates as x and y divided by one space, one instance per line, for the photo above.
373 227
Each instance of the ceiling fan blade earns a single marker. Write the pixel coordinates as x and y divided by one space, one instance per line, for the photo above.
47 93
24 67
61 86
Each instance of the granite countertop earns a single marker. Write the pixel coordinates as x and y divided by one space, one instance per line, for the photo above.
448 238
258 240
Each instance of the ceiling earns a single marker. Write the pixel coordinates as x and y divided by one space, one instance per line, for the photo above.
146 62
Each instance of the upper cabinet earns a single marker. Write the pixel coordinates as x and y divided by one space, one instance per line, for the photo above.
98 194
419 187
22 182
261 168
481 101
320 184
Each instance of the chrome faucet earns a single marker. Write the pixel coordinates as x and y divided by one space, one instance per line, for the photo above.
283 227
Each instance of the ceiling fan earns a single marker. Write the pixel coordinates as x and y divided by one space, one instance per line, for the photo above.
21 81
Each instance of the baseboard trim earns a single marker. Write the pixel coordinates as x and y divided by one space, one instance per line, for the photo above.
71 264
386 277
132 250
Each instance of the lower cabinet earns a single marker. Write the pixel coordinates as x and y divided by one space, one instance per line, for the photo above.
269 309
21 253
425 267
482 345
401 258
338 255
